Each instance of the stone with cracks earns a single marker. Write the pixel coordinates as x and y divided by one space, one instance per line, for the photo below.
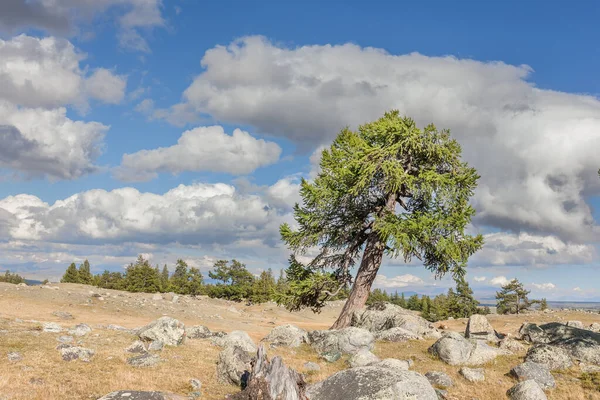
537 372
76 353
51 327
373 383
526 390
595 327
479 328
439 379
384 316
137 347
575 324
167 330
510 345
552 357
363 358
532 333
482 353
452 349
394 364
472 374
140 395
287 336
581 344
396 335
236 339
233 361
346 341
272 380
198 332
144 360
80 330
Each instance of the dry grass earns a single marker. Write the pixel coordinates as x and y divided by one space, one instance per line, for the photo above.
43 375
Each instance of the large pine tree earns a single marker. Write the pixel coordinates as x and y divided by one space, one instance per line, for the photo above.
388 188
85 275
512 298
71 274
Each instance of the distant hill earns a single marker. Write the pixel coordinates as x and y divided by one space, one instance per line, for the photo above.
32 282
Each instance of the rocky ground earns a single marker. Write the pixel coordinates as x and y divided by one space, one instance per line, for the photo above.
67 341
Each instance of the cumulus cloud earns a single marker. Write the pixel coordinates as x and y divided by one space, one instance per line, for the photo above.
531 250
544 286
193 214
398 281
479 278
105 86
202 149
499 281
63 16
284 193
508 128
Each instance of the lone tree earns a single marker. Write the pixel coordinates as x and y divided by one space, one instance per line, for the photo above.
512 298
388 188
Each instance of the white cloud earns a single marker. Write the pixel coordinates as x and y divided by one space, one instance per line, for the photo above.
508 128
544 286
531 250
479 278
284 193
499 281
577 289
398 281
202 149
105 86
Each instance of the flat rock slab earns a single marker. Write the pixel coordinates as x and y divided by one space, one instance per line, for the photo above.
137 395
537 372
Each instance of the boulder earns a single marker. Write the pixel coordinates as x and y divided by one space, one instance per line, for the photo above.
80 330
472 374
287 336
14 356
396 335
482 353
581 344
236 339
362 358
198 332
384 316
552 357
537 372
575 324
272 380
526 390
311 366
479 328
509 345
51 327
452 349
394 364
144 360
373 383
63 314
346 341
439 379
232 363
167 330
532 333
138 395
76 353
595 327
157 345
65 339
137 347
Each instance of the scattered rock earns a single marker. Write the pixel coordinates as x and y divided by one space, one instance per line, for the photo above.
537 372
287 336
63 314
527 390
363 358
554 358
532 333
394 364
452 349
118 328
80 330
396 334
331 356
137 347
63 346
311 366
472 374
37 381
52 327
595 327
76 353
482 353
65 339
175 299
157 345
384 316
236 339
137 395
157 297
167 330
511 345
346 341
581 344
144 360
198 332
195 384
439 379
575 324
479 328
373 383
232 363
14 356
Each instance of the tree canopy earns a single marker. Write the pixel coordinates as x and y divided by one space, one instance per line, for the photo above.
512 298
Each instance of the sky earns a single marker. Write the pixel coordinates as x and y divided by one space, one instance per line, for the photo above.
181 129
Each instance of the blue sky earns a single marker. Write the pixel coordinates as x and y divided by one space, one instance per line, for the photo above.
95 97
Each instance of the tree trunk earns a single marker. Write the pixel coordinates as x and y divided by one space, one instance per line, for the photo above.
367 272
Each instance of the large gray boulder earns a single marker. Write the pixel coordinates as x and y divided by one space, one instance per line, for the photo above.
537 372
439 379
236 339
139 395
373 383
198 332
80 330
482 353
384 316
595 327
575 324
394 364
532 333
581 344
346 341
452 349
526 390
363 358
287 336
167 330
233 361
76 353
479 328
472 374
552 357
396 334
510 345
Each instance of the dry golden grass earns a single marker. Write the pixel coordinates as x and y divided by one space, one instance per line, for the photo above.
43 375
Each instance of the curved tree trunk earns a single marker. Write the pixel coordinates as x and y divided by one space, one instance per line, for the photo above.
365 276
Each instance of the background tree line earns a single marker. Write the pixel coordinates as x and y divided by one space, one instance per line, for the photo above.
11 278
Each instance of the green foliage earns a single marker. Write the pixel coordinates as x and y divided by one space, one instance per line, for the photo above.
71 275
462 304
512 298
235 282
12 278
591 381
164 279
378 296
365 178
110 280
414 303
85 275
543 304
141 277
263 288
